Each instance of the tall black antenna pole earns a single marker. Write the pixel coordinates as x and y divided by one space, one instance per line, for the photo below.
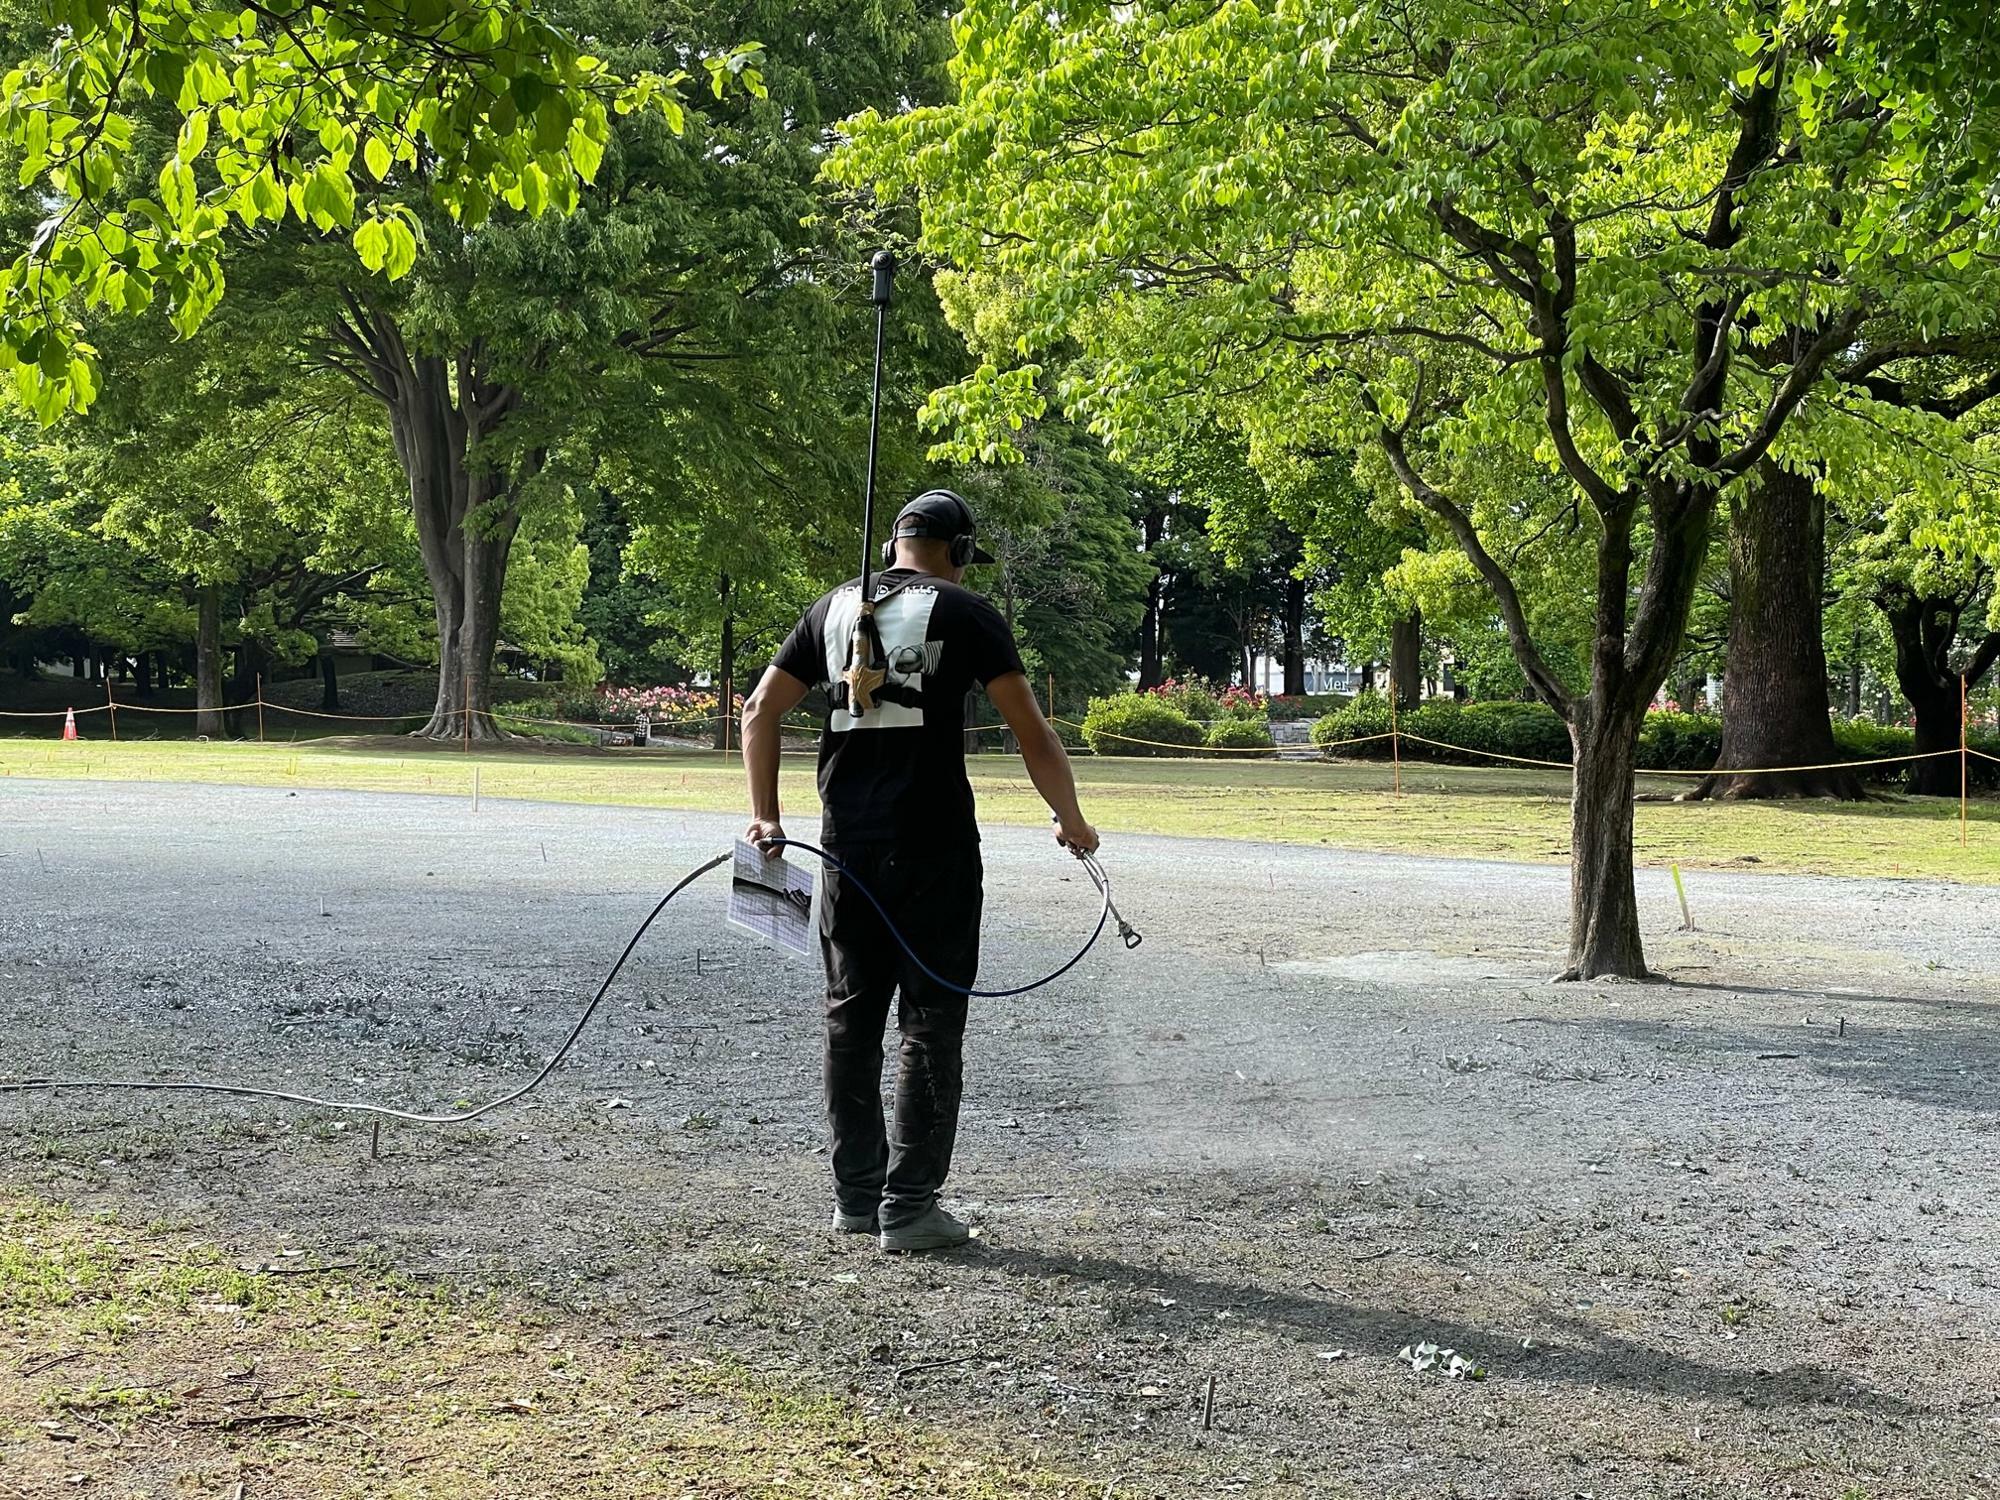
884 265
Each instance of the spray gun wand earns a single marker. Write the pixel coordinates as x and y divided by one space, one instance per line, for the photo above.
865 669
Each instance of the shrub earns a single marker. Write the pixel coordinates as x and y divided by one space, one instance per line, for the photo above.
1122 725
1527 731
1680 742
1864 739
1191 698
1239 735
1241 703
1365 714
666 708
1532 731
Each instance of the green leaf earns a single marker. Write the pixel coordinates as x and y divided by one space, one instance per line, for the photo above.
402 249
527 90
376 155
193 136
371 243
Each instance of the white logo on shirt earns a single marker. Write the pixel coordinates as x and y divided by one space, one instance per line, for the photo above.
902 620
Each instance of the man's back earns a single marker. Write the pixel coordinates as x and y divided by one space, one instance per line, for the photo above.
896 773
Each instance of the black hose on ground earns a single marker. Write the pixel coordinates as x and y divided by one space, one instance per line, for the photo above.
459 1117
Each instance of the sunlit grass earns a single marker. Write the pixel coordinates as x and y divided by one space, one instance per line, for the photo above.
1501 814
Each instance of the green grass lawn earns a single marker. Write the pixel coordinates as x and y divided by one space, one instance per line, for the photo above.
1502 814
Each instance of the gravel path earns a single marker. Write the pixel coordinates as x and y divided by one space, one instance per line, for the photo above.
1734 1235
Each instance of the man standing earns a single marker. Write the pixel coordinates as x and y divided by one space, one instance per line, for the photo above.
896 808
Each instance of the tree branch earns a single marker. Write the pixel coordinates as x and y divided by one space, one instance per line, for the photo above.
1806 370
1545 682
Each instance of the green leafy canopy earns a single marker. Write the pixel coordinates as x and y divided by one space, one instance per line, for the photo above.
327 113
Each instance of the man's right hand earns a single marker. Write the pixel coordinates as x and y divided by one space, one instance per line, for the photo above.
764 832
1076 836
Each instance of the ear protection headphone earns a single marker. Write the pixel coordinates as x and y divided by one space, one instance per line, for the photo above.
962 546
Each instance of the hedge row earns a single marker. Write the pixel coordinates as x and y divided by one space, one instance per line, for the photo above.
1145 724
1533 731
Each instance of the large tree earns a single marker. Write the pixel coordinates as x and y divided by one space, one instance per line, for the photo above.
318 114
318 158
1627 238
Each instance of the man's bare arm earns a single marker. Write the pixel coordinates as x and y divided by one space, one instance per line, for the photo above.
763 716
1048 762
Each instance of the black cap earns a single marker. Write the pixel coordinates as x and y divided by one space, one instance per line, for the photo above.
942 515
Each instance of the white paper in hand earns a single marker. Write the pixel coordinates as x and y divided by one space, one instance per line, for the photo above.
772 900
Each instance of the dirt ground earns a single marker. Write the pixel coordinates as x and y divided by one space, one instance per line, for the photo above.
1734 1235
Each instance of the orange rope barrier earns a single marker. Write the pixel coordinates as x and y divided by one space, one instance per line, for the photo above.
1395 735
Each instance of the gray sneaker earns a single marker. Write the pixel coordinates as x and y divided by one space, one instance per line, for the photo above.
855 1223
932 1230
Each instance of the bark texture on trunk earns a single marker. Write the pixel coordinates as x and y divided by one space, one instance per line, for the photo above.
208 661
1925 631
1774 701
1153 528
1295 637
1604 905
444 414
725 676
1406 658
252 665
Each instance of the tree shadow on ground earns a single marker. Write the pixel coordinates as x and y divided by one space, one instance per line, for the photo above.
1951 1062
1581 1355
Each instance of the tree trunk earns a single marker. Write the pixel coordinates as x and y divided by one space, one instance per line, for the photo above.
1295 637
142 675
1153 528
1937 714
1774 705
1604 936
1925 631
443 413
252 665
329 683
208 661
1368 677
1406 654
1150 673
725 676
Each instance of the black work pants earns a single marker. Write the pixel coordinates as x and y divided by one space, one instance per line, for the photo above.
934 898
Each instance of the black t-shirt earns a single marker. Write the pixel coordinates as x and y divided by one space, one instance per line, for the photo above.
897 774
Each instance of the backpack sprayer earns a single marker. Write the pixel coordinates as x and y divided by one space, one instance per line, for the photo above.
866 671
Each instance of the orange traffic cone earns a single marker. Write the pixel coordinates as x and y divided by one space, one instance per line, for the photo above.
69 725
